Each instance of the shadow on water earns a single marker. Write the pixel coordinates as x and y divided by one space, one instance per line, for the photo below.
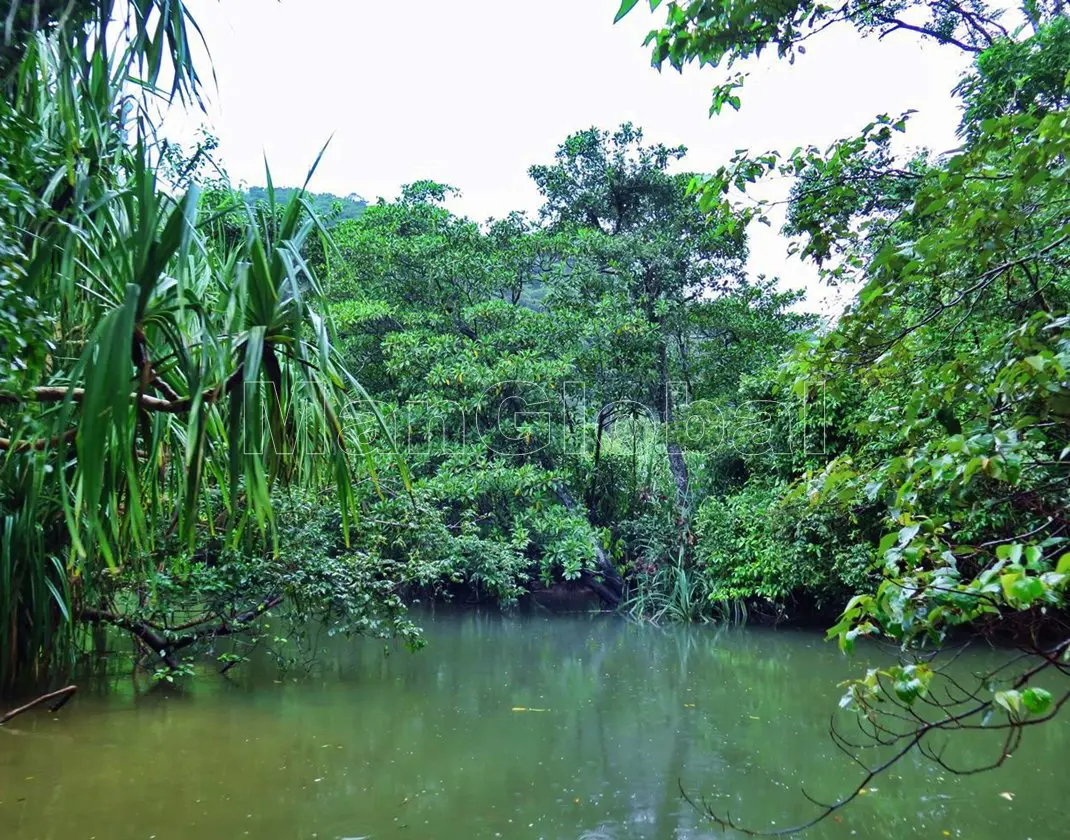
513 726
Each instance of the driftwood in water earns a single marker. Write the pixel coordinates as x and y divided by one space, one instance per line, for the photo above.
60 696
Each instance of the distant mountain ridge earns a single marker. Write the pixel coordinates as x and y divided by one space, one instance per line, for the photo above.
332 208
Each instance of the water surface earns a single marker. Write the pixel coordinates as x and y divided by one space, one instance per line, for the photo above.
551 728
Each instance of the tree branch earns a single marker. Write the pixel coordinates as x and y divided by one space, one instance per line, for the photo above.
164 643
61 695
895 23
912 738
56 394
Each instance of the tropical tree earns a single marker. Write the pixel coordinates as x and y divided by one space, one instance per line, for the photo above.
723 32
636 248
163 380
505 355
956 350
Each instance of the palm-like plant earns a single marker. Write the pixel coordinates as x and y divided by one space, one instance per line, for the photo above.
163 375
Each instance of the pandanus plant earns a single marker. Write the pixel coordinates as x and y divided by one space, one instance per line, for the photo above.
164 378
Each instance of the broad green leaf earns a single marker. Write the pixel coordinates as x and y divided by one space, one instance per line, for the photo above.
1009 700
1037 700
625 7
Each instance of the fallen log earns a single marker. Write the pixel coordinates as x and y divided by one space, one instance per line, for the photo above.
61 696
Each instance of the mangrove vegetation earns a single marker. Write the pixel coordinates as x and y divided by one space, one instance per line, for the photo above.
231 415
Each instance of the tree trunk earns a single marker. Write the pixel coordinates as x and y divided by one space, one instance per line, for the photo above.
677 464
602 421
611 588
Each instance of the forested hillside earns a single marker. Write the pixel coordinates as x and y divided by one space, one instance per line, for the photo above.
329 207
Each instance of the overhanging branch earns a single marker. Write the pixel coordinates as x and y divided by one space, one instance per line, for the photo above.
58 394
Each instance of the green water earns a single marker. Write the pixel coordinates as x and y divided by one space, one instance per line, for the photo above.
429 745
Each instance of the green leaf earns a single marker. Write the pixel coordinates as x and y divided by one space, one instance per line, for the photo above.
1007 583
61 602
1012 552
625 7
1009 700
907 690
1036 700
873 290
908 533
1028 589
934 206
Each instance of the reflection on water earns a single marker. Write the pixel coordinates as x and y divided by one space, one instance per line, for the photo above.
513 727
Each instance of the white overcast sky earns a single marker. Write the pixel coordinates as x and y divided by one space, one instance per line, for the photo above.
472 92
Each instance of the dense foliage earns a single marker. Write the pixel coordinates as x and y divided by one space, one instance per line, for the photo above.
152 347
540 372
178 394
943 480
218 403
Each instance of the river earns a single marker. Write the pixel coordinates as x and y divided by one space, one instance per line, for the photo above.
525 726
